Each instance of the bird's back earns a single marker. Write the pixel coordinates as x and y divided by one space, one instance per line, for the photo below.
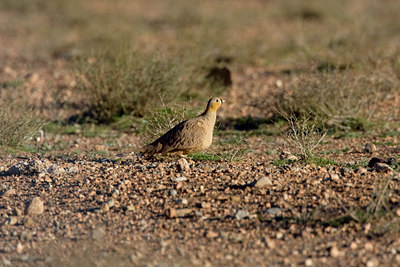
188 136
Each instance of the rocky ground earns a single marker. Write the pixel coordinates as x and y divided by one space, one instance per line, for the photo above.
77 196
124 208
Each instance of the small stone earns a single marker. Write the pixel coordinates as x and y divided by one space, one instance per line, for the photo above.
263 181
334 176
369 148
170 213
179 179
335 252
372 263
211 234
130 208
398 212
172 192
104 207
97 233
382 167
115 193
182 165
353 245
183 212
110 203
309 262
12 220
279 235
182 201
241 214
9 192
35 206
273 211
41 175
20 248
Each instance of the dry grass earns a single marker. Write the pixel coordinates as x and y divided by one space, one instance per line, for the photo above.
18 124
340 97
125 82
303 135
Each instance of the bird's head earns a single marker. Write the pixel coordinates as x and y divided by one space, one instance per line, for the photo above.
215 103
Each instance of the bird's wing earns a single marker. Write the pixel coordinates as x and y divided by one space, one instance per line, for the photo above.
186 135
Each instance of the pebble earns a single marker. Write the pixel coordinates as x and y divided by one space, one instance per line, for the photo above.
211 234
179 179
35 206
273 211
12 220
172 192
182 201
334 176
369 148
104 207
170 213
335 252
182 165
183 212
263 181
20 248
309 262
110 203
10 192
130 208
241 214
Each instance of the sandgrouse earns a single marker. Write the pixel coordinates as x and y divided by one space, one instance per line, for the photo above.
189 136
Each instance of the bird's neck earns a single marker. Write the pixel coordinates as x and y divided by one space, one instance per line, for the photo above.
210 115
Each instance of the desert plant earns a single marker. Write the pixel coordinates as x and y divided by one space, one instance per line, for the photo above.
125 82
18 123
303 135
343 98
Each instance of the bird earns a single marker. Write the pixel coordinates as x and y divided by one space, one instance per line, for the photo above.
189 136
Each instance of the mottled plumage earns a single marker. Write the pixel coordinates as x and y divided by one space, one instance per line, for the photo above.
189 136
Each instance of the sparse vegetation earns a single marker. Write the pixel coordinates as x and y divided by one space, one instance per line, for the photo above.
344 99
18 124
303 134
125 82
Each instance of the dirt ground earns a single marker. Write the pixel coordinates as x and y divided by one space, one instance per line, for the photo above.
93 201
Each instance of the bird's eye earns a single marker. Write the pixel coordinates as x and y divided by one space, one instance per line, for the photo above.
217 100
